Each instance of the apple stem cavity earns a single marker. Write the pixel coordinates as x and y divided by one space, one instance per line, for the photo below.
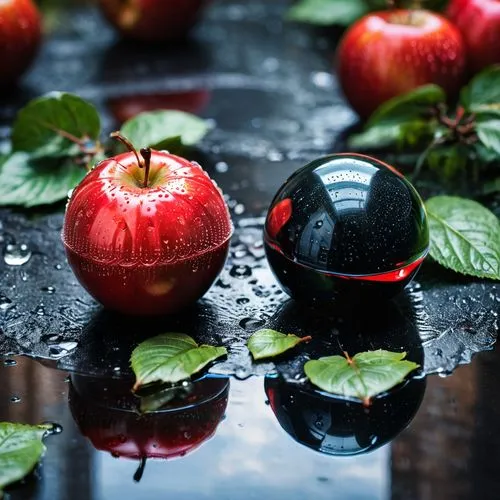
146 155
140 470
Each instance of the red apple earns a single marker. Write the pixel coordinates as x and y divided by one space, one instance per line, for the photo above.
20 32
389 53
126 107
147 240
152 20
479 23
106 413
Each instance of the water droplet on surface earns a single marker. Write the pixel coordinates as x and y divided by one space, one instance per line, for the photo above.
48 289
5 302
242 272
15 399
10 362
251 324
16 255
221 167
55 428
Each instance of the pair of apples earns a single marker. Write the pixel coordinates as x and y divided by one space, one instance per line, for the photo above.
389 53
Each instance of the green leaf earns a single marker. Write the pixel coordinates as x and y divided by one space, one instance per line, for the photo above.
327 12
482 95
465 236
159 129
42 126
170 358
448 160
363 376
267 343
21 448
488 132
29 182
403 120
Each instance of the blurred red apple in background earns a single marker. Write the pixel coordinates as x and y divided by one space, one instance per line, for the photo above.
152 20
125 107
389 53
479 23
20 32
147 240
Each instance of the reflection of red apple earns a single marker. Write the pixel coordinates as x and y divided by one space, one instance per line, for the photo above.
152 20
479 23
20 29
147 240
105 412
389 53
124 108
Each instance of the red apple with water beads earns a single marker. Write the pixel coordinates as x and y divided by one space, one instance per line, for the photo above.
152 20
479 23
106 413
389 53
346 225
20 32
146 233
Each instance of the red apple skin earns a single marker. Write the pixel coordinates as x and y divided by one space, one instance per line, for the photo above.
382 56
479 23
152 20
111 424
147 250
126 107
20 33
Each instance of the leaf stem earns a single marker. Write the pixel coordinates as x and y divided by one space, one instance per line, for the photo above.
305 339
117 135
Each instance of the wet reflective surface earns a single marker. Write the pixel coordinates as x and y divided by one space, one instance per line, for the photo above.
268 88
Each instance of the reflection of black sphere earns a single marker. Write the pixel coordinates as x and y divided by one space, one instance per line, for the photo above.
345 222
337 427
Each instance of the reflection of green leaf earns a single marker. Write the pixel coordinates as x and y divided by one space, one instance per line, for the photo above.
267 343
170 357
465 236
363 376
42 126
403 120
327 12
160 129
29 182
21 448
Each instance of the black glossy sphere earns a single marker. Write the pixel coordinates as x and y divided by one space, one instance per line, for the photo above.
346 223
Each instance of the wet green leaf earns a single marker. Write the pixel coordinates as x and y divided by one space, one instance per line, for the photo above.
363 376
482 95
28 182
267 343
42 126
170 357
465 236
162 129
488 132
327 12
21 448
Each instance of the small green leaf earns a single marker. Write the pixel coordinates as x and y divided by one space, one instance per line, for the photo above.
465 236
363 376
29 182
403 120
488 132
21 448
267 343
482 95
327 12
491 187
159 129
43 126
170 358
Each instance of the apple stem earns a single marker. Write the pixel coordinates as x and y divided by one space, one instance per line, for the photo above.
117 135
146 155
140 470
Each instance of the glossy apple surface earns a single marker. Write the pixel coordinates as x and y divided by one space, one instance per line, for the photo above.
105 412
126 107
389 53
479 23
147 250
20 32
152 20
